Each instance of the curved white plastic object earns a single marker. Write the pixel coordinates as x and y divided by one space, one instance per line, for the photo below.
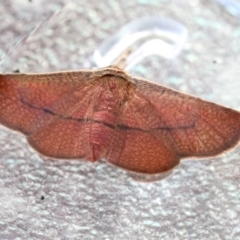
143 37
232 6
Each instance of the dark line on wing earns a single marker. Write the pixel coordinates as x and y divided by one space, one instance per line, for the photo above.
121 127
48 111
183 127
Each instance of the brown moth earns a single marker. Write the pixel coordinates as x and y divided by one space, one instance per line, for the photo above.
132 123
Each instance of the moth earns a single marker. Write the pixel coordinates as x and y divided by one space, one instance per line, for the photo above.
133 123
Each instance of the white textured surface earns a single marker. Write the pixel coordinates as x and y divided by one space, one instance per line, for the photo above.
200 200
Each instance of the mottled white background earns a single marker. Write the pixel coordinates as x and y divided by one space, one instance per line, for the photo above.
200 200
